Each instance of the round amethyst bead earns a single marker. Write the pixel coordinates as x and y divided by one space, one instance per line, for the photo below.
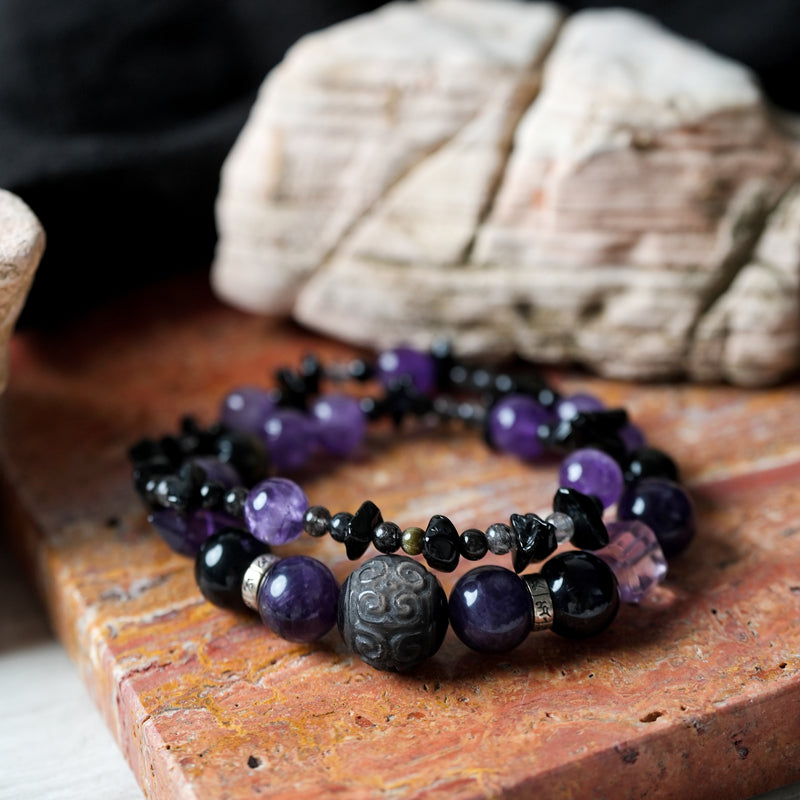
490 609
568 407
512 425
274 510
185 533
592 471
404 363
297 599
340 423
665 507
290 438
246 408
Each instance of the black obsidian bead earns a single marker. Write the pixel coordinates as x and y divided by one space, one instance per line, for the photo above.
582 430
234 501
220 565
245 453
387 537
317 521
392 613
472 544
649 462
584 594
211 494
339 525
359 532
587 516
152 469
535 540
440 545
173 491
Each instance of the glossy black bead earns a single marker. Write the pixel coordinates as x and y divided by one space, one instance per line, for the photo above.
582 430
472 544
372 408
143 450
649 462
360 370
359 532
443 361
440 545
339 525
171 449
234 500
246 453
311 373
387 537
584 593
317 521
586 512
212 495
155 467
535 540
292 391
194 476
221 563
174 492
612 444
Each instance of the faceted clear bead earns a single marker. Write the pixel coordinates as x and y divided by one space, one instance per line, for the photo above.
635 558
500 538
563 524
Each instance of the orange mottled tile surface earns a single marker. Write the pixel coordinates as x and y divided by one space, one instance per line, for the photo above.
694 694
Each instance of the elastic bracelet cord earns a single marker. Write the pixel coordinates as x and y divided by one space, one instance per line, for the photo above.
214 494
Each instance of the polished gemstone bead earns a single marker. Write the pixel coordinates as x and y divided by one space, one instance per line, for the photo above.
649 462
568 406
246 408
274 510
585 429
584 593
359 532
297 599
587 518
440 544
234 501
392 613
402 363
500 538
534 538
387 537
340 523
632 437
635 558
317 521
563 524
665 507
245 452
340 423
512 426
592 472
412 540
473 545
173 492
216 470
490 609
153 469
290 437
185 533
212 495
221 563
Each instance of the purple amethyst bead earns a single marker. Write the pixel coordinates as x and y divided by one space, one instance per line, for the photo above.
635 558
219 471
297 599
185 533
632 437
274 510
340 423
665 507
290 438
568 407
403 362
490 609
594 472
246 408
512 425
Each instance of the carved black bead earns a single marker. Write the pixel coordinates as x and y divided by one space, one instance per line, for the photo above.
359 532
649 462
392 613
536 540
587 515
473 544
440 544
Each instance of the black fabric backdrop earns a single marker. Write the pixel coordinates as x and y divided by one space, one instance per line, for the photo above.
116 115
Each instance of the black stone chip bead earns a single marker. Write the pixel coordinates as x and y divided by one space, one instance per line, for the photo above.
174 492
359 532
292 391
587 515
535 540
585 428
441 352
246 453
584 593
387 537
339 525
212 495
220 565
440 545
472 544
153 468
649 462
317 521
234 500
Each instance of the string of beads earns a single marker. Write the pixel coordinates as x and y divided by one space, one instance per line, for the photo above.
213 494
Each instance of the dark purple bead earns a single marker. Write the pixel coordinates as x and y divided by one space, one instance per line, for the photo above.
512 426
290 438
247 408
490 609
649 462
568 407
217 471
297 599
665 507
632 437
404 363
185 533
274 510
340 423
593 472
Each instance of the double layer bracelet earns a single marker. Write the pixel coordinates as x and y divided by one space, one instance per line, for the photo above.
220 495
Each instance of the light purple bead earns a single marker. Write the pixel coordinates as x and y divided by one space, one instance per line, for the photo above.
290 438
297 599
592 471
635 558
246 408
512 426
274 510
632 437
567 407
394 364
185 533
340 423
218 471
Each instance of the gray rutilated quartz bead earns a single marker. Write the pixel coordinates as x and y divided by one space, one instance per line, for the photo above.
500 538
563 524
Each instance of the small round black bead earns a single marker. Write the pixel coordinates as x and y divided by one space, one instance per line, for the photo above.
317 521
387 537
360 370
234 501
246 453
649 462
440 545
584 593
173 491
472 544
221 563
154 467
211 494
340 524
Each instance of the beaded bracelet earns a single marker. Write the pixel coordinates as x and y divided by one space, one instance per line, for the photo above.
211 496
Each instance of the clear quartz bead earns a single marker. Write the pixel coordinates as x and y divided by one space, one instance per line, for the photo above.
563 524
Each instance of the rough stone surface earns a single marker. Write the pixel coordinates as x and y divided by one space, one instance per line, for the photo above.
21 248
617 217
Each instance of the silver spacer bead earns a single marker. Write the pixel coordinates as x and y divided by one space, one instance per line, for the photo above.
254 576
541 601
